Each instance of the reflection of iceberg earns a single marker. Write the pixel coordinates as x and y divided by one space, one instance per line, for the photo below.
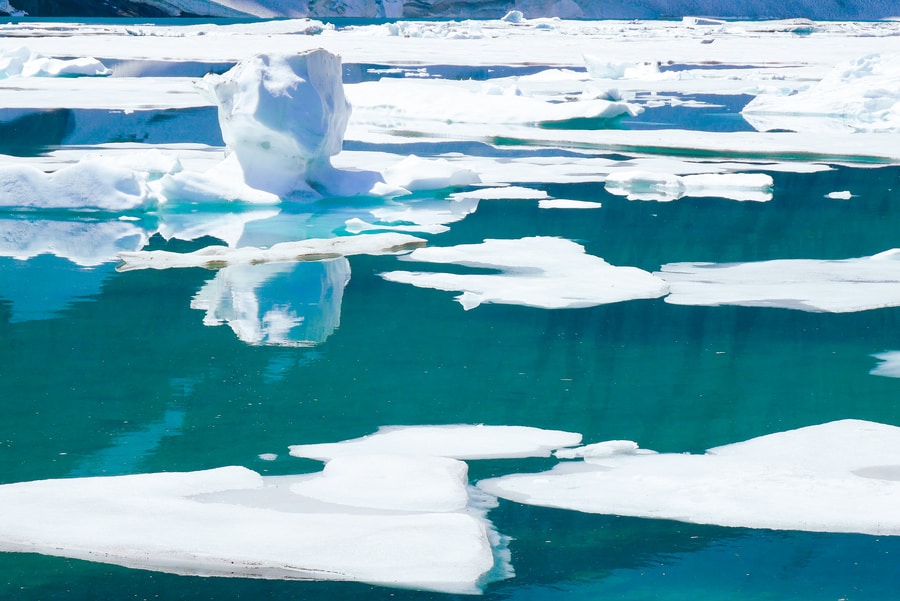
383 529
840 286
283 304
84 242
838 477
546 272
127 450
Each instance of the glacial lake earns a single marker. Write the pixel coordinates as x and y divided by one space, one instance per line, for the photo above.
107 371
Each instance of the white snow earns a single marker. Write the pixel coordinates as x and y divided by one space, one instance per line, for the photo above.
383 243
461 441
837 286
232 522
545 272
23 62
837 477
858 95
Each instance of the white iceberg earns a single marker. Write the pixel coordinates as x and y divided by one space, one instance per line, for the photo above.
314 248
665 187
277 304
837 286
862 95
382 528
22 62
841 476
414 173
552 273
461 441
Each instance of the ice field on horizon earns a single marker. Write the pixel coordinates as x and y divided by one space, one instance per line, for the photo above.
252 245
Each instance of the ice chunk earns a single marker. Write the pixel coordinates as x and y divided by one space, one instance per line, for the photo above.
414 173
383 243
282 118
455 441
599 450
664 187
232 522
841 476
838 286
551 273
862 95
562 203
840 195
22 62
599 68
277 304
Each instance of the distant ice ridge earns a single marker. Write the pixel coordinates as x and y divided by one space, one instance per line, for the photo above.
861 95
841 476
603 9
22 62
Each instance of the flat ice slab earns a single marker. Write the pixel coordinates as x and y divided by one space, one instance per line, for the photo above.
841 476
407 522
545 272
839 286
461 441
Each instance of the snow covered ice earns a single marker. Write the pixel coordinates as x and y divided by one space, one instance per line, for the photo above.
837 477
538 272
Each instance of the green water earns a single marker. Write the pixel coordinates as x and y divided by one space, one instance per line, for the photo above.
106 372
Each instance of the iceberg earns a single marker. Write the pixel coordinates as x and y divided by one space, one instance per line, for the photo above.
838 286
840 476
551 273
362 519
460 441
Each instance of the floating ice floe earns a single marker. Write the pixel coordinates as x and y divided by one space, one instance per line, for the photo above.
841 476
551 273
277 304
862 95
396 103
838 286
22 62
663 187
840 195
363 519
414 173
461 441
599 68
315 248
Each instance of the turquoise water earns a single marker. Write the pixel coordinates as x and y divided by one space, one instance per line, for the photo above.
106 372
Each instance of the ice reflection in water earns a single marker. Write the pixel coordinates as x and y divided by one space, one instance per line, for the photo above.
280 304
